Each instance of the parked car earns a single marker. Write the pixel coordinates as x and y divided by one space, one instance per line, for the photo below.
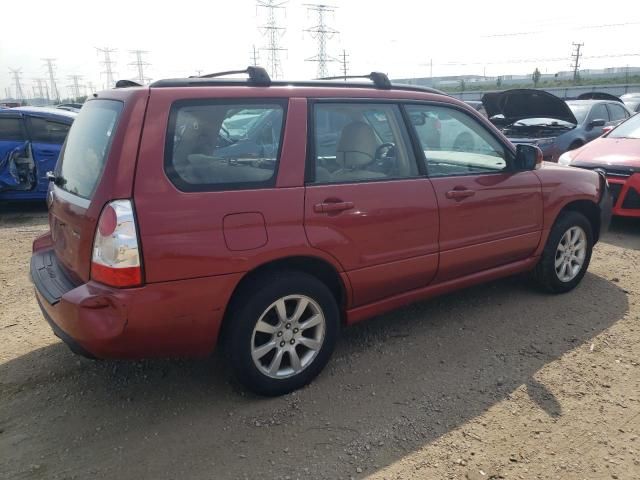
163 243
30 142
478 105
617 153
632 101
71 107
536 117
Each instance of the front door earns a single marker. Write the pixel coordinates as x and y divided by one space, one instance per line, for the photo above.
13 145
490 215
47 137
366 203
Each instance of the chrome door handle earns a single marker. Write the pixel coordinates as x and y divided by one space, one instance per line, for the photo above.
328 207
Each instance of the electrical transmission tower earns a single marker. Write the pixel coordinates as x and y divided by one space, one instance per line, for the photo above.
255 57
55 94
576 61
16 72
108 64
321 32
345 64
90 88
273 33
139 63
75 86
40 88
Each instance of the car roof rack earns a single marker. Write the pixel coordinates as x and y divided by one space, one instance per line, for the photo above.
258 76
379 79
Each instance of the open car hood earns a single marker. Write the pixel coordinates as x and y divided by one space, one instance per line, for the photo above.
521 103
598 96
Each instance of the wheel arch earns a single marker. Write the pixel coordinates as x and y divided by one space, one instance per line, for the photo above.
590 210
312 265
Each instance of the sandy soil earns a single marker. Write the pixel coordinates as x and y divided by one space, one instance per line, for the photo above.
498 381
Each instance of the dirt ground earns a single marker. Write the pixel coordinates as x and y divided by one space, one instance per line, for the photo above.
498 381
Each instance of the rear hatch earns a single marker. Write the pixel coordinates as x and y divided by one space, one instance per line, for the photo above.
96 165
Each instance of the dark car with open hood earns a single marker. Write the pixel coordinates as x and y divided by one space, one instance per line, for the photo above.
539 118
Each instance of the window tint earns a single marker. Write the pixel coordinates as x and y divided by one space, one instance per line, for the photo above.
455 143
85 152
46 131
213 146
11 129
617 112
599 112
360 142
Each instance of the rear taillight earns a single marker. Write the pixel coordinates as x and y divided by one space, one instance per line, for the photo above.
116 255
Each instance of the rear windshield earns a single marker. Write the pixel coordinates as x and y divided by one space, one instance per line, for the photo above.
85 152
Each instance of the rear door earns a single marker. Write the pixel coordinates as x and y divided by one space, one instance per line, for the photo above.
13 140
489 214
367 203
47 137
617 113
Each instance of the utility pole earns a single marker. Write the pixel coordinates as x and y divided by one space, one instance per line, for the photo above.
344 64
16 72
139 63
254 57
576 61
55 94
273 33
321 32
108 64
75 86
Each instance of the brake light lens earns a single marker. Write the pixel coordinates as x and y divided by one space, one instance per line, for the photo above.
116 255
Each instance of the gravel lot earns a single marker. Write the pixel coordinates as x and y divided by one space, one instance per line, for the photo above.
498 381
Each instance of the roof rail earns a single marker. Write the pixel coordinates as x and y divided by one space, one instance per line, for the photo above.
379 79
127 83
257 75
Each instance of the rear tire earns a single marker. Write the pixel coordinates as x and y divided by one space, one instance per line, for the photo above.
566 255
282 331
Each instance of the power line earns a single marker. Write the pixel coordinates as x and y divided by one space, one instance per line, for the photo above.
139 63
108 64
273 33
576 60
53 88
16 72
321 33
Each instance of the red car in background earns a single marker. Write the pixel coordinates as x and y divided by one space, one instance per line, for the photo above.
617 153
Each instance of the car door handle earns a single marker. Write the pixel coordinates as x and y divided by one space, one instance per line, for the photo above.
459 194
327 207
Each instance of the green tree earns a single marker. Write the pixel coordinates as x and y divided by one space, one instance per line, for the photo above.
535 76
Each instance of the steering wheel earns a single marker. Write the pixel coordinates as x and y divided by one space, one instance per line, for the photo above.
383 150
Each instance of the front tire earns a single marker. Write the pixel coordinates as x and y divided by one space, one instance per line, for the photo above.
282 331
567 254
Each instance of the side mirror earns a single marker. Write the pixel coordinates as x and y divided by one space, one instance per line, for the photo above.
599 122
528 157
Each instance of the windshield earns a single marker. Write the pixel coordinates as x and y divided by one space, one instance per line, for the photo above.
85 152
579 111
628 129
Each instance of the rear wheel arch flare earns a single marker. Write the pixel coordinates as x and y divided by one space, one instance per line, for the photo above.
315 266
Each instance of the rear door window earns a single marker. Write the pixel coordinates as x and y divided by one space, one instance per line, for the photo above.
11 129
213 145
85 152
47 131
617 112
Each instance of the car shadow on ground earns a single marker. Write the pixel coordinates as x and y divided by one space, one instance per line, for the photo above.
624 232
20 213
394 384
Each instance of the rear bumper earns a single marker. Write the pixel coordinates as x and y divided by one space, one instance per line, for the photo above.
180 318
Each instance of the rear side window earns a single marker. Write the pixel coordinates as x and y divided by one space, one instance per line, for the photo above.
617 112
11 129
47 131
87 147
213 145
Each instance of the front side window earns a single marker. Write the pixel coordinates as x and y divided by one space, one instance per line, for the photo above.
617 112
455 143
215 145
599 112
47 131
11 129
360 142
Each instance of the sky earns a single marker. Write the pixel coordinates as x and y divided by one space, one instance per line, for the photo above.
402 38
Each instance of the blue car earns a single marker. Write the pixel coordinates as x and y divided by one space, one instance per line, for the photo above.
536 117
30 142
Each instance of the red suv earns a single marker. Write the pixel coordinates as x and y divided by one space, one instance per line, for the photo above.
263 216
